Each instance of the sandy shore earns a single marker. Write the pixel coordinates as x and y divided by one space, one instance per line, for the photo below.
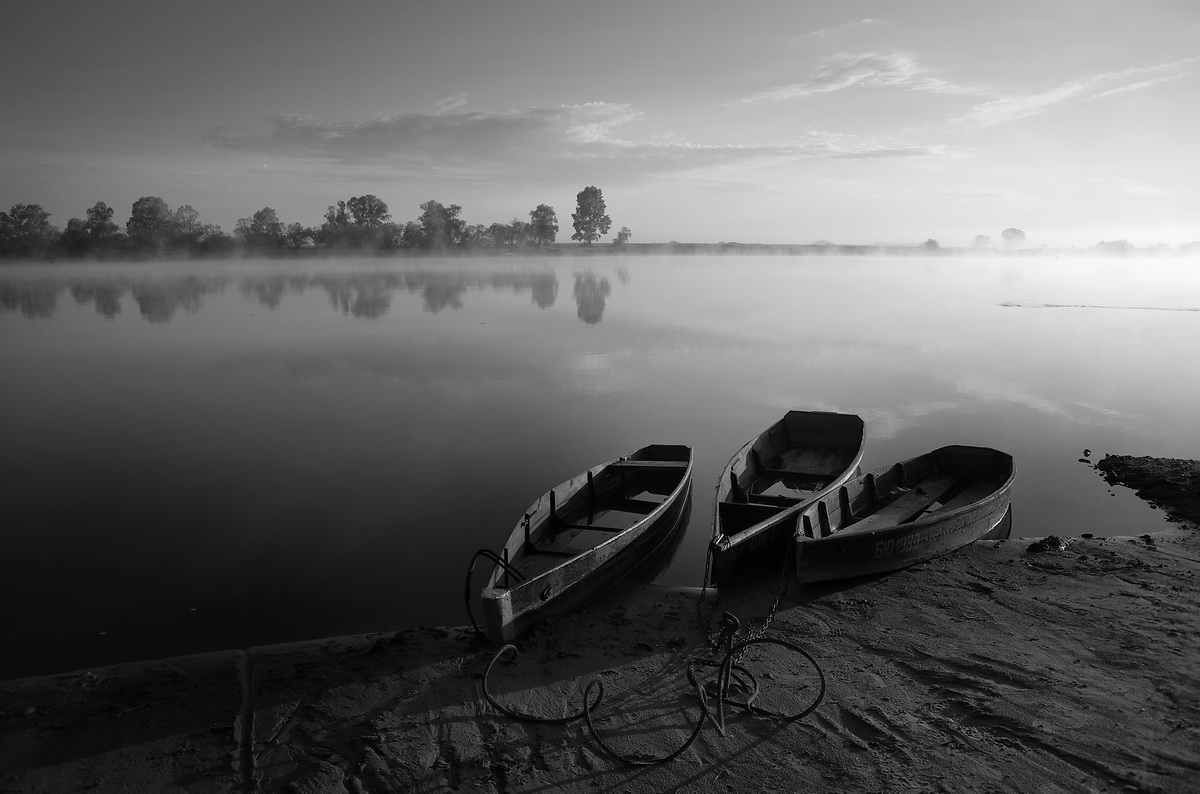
1007 666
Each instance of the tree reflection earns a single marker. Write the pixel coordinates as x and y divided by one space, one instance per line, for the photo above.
367 296
590 294
36 300
267 290
438 294
544 291
362 295
158 300
106 295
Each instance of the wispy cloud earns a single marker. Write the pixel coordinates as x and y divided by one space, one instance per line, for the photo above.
820 34
1013 107
443 137
887 153
450 103
534 140
1139 86
901 71
842 71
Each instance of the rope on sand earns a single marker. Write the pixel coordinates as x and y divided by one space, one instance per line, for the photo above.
728 671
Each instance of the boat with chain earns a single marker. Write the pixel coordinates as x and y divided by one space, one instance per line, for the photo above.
772 478
584 535
907 513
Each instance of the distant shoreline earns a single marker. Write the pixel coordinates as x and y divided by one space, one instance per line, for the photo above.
608 249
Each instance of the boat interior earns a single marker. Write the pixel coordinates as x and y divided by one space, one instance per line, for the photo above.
590 509
792 462
905 493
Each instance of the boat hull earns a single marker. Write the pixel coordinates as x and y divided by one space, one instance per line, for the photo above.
829 547
824 451
510 610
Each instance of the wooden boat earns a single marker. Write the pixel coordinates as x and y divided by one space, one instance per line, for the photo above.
587 533
907 513
772 478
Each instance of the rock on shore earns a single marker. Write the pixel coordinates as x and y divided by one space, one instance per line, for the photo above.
1170 483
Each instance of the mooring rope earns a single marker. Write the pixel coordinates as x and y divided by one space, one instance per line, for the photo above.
728 671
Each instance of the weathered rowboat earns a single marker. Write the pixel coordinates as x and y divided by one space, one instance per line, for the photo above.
907 513
772 478
584 535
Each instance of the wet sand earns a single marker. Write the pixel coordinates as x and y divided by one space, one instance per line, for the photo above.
1010 665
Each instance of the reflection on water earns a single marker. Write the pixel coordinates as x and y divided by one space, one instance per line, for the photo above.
159 300
106 296
36 299
590 293
259 476
364 295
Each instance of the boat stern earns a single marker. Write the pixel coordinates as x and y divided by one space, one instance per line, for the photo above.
498 615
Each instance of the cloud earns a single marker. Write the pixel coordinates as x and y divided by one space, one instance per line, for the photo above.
892 153
820 34
1139 86
444 133
1013 107
901 71
838 72
533 141
449 103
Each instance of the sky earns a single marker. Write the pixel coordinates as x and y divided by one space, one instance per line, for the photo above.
780 121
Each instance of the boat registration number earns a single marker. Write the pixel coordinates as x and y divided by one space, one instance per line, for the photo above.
886 548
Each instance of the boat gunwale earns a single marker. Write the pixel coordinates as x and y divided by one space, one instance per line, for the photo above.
685 477
924 521
721 541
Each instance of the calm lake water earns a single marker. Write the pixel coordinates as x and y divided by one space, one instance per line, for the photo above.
204 456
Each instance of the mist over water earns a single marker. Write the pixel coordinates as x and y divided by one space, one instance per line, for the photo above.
212 455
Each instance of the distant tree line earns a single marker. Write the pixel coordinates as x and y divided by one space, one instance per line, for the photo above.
362 222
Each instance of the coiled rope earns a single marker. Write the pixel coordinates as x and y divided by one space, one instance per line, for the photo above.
728 671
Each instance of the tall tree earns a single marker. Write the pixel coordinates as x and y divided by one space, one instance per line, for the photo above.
262 231
590 222
211 240
266 229
440 225
150 223
296 235
99 225
335 231
337 215
543 225
74 239
1012 237
25 230
185 227
413 236
368 211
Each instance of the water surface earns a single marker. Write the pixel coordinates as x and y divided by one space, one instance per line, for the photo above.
213 455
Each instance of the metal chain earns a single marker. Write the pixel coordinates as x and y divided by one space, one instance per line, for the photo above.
752 635
784 578
706 619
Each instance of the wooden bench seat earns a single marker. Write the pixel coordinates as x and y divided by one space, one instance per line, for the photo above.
648 464
780 502
736 516
972 493
815 463
908 506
